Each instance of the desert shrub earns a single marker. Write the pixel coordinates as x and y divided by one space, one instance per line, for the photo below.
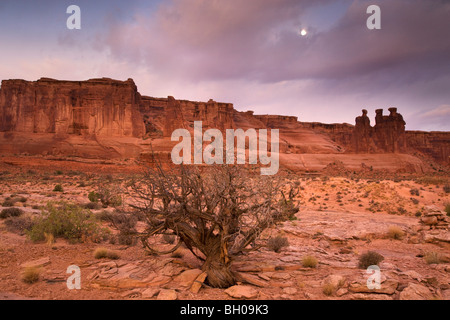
10 212
110 196
309 262
125 223
432 258
395 233
103 216
58 172
93 196
92 206
277 243
18 225
9 202
67 221
103 253
414 201
328 289
31 275
447 188
58 188
414 192
369 258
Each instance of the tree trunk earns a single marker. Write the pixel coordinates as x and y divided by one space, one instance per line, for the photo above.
218 267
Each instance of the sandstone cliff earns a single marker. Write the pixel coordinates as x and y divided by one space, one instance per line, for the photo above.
105 118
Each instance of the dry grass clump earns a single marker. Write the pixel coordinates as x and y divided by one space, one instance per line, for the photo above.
432 257
103 253
328 289
369 258
309 262
396 233
31 275
277 243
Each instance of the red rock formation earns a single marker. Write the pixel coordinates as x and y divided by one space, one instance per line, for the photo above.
97 107
389 131
106 118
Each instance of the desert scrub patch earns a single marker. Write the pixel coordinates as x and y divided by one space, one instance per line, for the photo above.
103 253
369 258
447 188
10 212
31 275
309 262
395 233
93 196
68 221
277 243
432 257
9 202
92 206
19 225
58 188
328 289
110 195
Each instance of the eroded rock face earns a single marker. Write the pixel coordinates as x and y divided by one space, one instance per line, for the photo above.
97 107
105 118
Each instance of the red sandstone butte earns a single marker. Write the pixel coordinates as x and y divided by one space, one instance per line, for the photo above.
106 118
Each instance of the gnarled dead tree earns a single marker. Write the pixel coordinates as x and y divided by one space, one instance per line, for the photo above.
217 212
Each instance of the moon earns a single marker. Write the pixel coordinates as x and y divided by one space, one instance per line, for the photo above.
303 32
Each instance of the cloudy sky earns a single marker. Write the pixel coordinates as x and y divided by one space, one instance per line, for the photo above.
250 53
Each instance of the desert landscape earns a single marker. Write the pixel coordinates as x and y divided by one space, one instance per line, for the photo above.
224 158
364 195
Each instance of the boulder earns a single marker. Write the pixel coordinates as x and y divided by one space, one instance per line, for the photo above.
186 278
416 292
387 287
166 294
242 292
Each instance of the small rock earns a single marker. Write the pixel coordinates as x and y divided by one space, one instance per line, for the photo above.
387 287
336 280
36 263
290 291
263 276
149 293
242 292
251 279
341 292
166 294
361 296
416 292
187 278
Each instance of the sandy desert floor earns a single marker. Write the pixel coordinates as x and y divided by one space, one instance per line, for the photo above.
340 218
